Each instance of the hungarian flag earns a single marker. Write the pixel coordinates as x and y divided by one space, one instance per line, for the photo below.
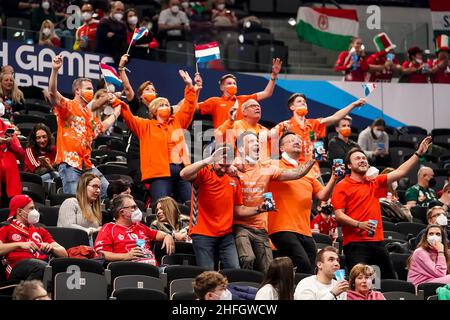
440 16
326 27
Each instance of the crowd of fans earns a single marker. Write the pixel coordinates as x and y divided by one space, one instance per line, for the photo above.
251 195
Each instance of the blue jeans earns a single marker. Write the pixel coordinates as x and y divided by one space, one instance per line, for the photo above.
70 176
208 248
172 186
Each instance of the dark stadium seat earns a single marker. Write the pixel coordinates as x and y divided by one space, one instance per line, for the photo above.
235 275
409 228
49 216
35 191
93 287
429 288
30 177
400 295
388 285
388 226
270 50
138 281
138 294
394 235
179 259
241 57
123 268
399 261
69 237
180 272
322 238
58 199
181 285
180 52
184 296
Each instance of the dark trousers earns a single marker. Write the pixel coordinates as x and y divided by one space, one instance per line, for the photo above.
172 186
372 253
300 248
28 269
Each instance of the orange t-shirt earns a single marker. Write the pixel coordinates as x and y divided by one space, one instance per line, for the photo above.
255 180
218 107
233 129
360 201
293 201
212 203
314 125
162 143
77 128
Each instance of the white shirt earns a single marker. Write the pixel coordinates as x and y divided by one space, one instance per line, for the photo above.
267 292
311 289
286 157
167 17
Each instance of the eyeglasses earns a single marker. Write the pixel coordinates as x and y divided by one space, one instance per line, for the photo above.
94 186
134 207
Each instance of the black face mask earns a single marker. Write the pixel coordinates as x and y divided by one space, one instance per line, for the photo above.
432 182
327 210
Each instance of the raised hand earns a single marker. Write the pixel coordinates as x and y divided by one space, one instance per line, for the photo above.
360 102
219 154
276 66
186 77
232 113
198 81
57 62
423 147
123 60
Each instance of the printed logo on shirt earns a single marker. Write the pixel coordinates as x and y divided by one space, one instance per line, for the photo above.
222 105
16 237
232 183
120 237
36 237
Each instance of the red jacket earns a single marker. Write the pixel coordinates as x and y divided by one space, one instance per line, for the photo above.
9 170
32 162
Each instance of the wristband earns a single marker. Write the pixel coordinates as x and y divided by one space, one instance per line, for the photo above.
273 79
417 154
335 296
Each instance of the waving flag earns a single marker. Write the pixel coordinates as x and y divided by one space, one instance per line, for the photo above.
110 75
368 88
207 52
139 33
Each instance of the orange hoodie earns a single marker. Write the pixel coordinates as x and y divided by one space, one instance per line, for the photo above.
162 143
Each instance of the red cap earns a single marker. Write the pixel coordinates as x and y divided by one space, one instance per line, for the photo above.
17 202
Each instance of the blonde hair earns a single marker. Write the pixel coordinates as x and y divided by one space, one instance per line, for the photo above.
155 103
356 271
96 214
52 34
16 94
170 208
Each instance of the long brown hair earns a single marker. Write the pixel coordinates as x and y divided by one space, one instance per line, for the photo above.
425 245
83 202
389 186
281 276
170 208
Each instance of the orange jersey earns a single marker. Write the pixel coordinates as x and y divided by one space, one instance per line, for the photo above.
218 107
77 128
212 203
162 143
293 201
360 201
255 180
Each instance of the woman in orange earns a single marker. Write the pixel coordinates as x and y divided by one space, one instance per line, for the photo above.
163 151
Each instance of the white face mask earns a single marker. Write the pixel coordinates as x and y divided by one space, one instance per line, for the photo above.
86 16
46 31
46 5
118 16
226 295
432 240
33 216
133 20
174 9
419 61
111 88
136 216
220 6
442 220
2 109
377 133
395 185
372 173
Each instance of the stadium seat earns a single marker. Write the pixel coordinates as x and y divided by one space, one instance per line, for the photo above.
179 259
415 138
180 272
255 285
91 286
322 238
256 37
108 155
49 216
180 52
429 288
388 226
30 177
236 275
394 235
18 29
181 285
419 213
58 199
270 50
434 297
412 130
398 143
440 132
258 6
113 177
389 285
184 296
397 154
409 228
399 295
399 262
138 281
51 122
180 247
34 190
26 128
228 37
69 237
108 169
138 294
4 213
241 57
112 142
124 268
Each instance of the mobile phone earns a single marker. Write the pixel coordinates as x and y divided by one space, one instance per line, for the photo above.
41 158
10 131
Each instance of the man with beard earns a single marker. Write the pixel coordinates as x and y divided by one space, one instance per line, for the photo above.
356 205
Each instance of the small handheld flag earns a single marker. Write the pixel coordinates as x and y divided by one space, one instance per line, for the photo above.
138 33
368 88
110 75
207 52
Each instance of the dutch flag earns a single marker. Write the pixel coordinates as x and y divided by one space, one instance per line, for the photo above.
110 75
207 52
368 88
139 33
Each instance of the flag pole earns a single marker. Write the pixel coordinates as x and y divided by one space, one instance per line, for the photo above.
196 66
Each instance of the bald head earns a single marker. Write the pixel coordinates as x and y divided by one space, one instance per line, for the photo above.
424 175
251 110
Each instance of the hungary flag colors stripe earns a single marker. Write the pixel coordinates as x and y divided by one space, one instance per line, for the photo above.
326 27
440 16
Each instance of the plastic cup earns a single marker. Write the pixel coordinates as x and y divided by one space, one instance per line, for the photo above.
340 274
374 223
